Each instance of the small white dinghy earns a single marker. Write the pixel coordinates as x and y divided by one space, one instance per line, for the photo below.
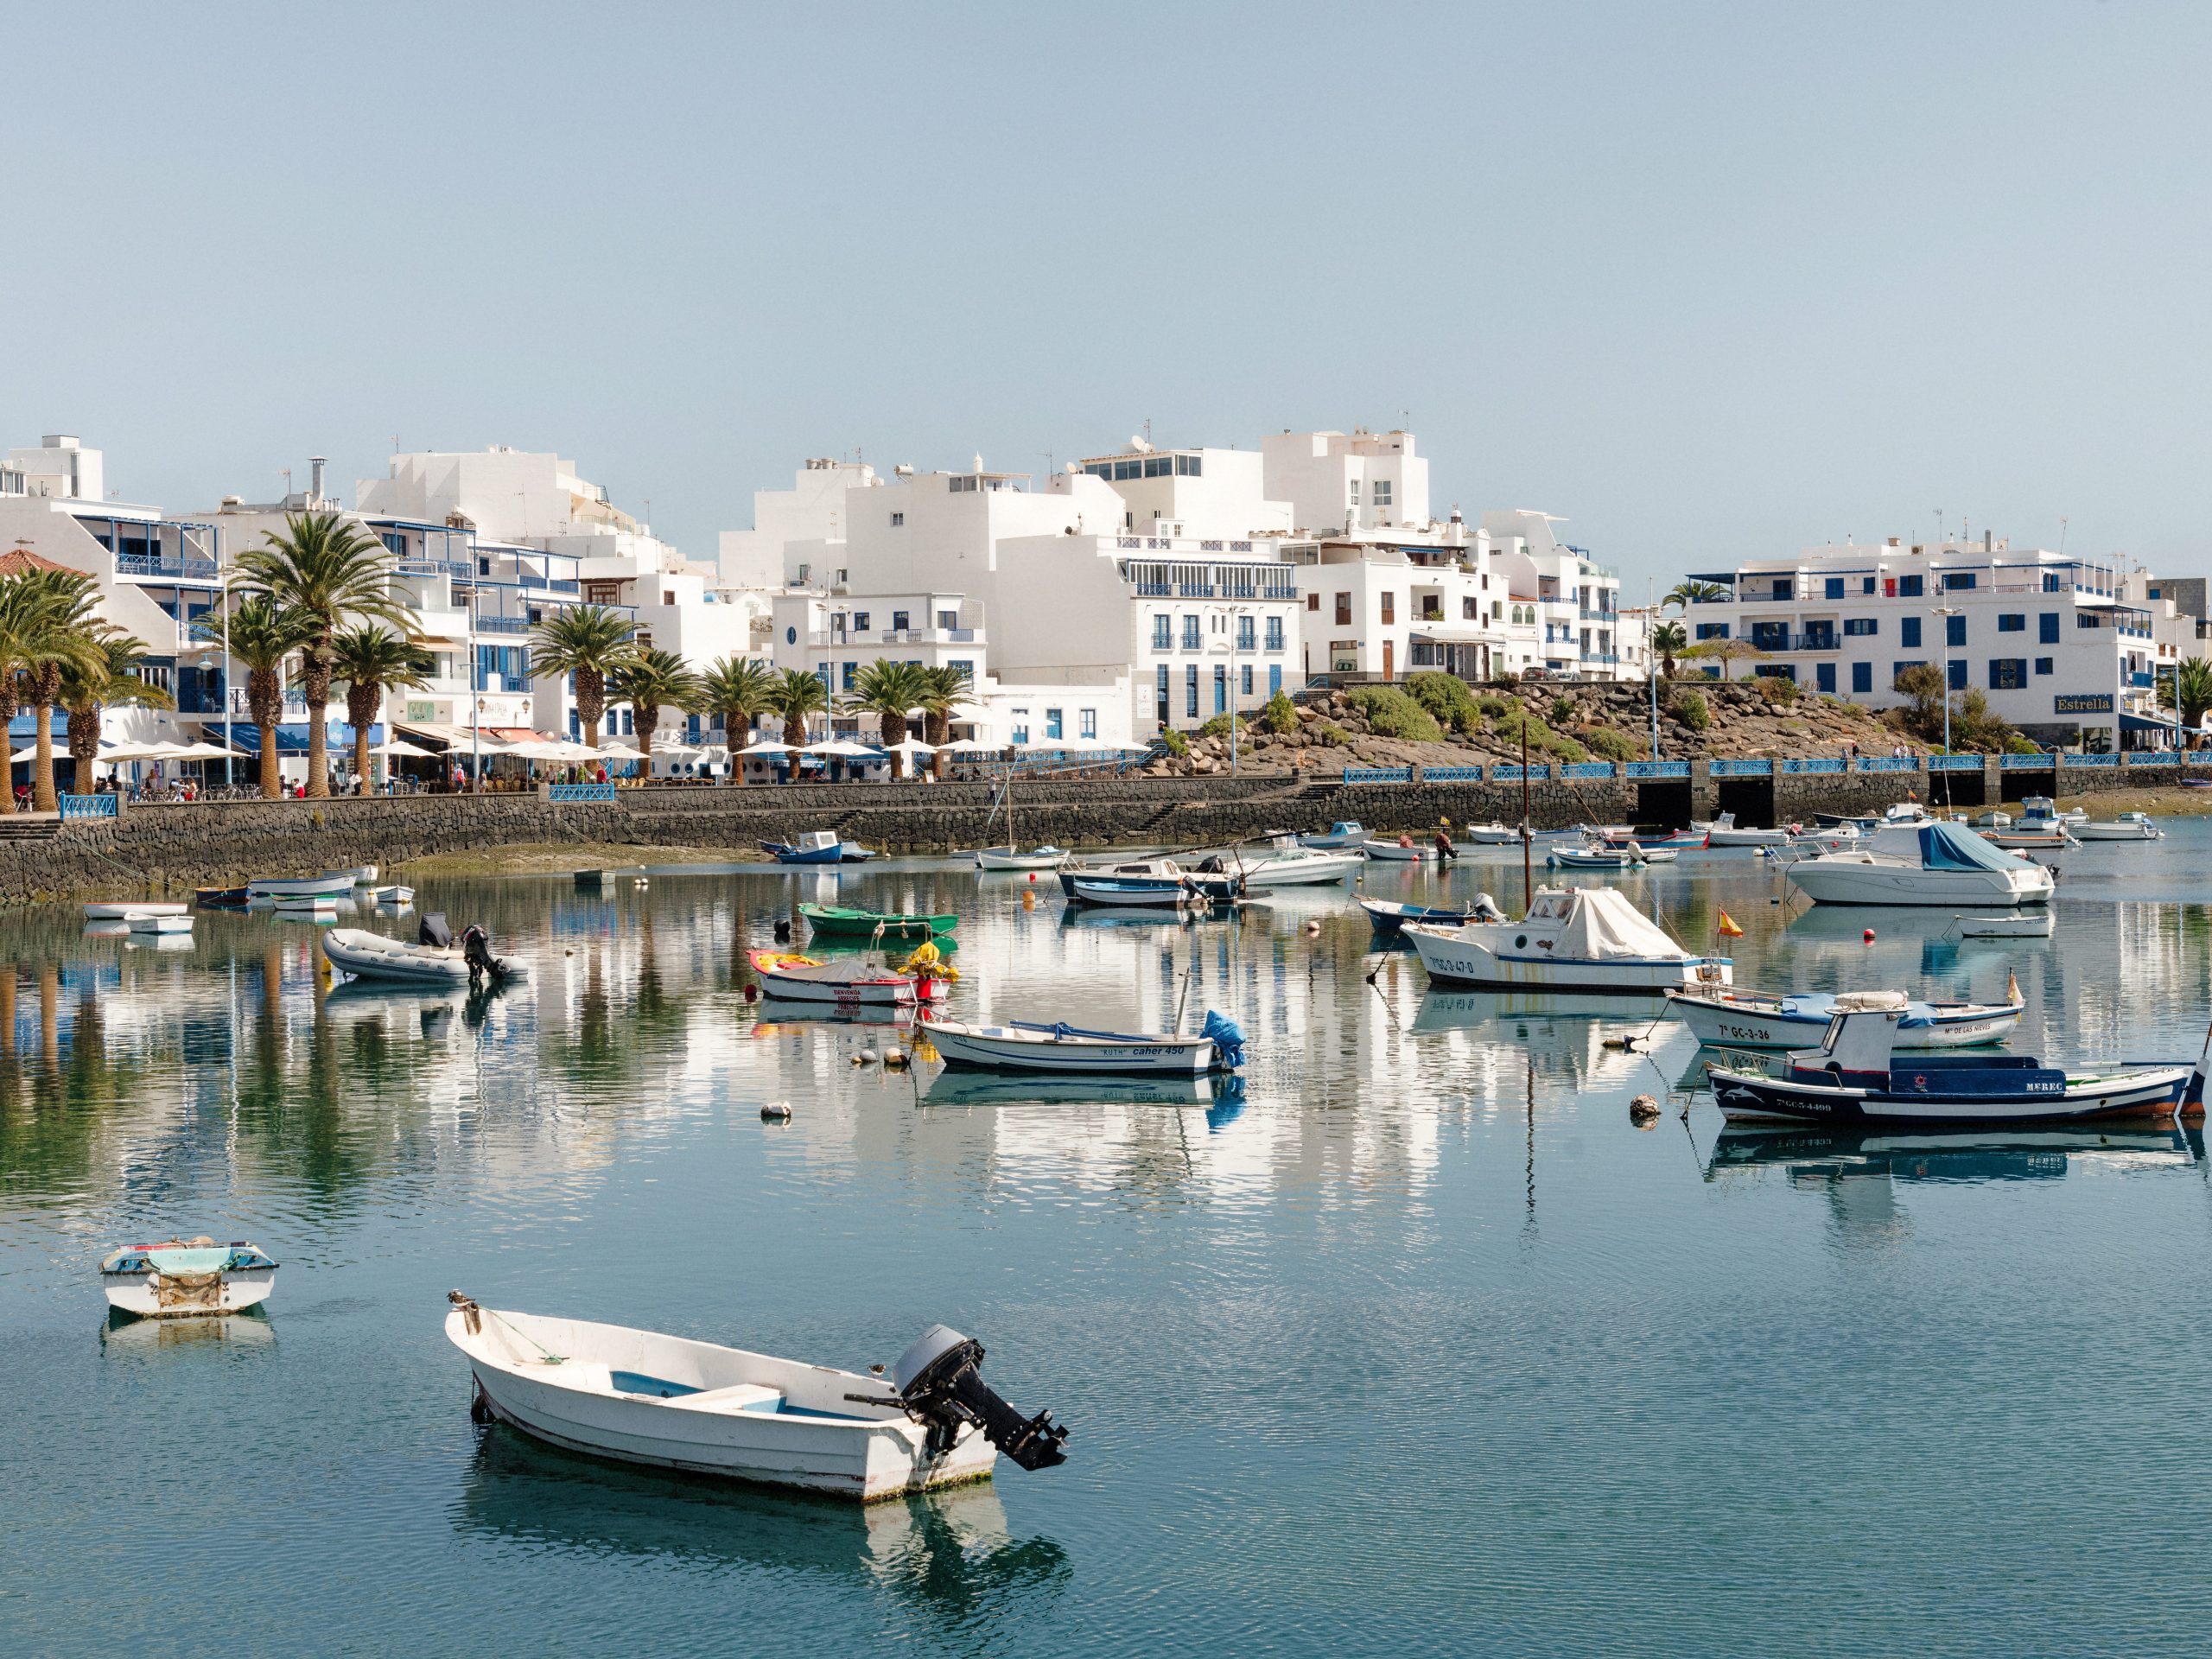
1011 858
375 956
400 896
2034 924
186 1278
335 884
122 910
1022 1045
159 921
642 1397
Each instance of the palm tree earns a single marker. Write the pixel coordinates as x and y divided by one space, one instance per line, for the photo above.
262 636
328 569
650 680
588 642
1686 593
369 661
943 689
888 690
60 629
736 689
1727 652
19 602
1667 639
104 681
2193 689
797 695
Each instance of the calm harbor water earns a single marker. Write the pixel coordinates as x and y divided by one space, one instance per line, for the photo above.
1414 1344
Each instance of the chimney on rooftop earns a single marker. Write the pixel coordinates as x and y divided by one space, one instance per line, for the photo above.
315 477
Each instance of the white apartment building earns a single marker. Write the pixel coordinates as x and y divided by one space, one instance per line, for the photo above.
797 534
1576 600
2059 645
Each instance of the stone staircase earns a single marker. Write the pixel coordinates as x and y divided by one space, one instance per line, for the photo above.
27 826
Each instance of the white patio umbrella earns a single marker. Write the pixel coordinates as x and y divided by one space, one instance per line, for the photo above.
910 747
398 746
619 751
770 746
28 752
201 751
838 746
133 752
971 746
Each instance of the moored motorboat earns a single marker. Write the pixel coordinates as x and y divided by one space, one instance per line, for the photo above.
1723 832
1345 832
1292 864
184 1278
160 921
817 847
2031 924
846 981
1012 858
391 895
1595 855
1026 1045
1491 835
122 910
1404 849
642 1397
364 875
1388 916
2128 826
1853 1077
306 904
220 898
1572 939
1731 1017
422 960
1945 864
848 922
329 886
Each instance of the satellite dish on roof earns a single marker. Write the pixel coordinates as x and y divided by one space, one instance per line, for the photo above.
1141 445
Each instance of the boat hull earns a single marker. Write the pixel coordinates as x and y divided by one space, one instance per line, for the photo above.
1321 869
1848 881
305 887
137 1294
1389 852
1005 858
1390 916
862 1456
123 911
1720 1023
370 956
1004 1049
1129 892
1743 1097
824 925
2116 832
1484 954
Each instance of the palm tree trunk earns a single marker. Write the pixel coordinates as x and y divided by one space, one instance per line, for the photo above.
42 796
272 780
362 740
316 683
84 744
9 705
648 716
895 731
733 726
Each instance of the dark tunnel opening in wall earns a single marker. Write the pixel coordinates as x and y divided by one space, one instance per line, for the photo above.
1751 799
1663 803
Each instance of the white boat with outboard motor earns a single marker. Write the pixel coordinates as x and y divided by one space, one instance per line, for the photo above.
1904 812
185 1278
1934 863
1572 939
1491 835
2128 826
433 959
1731 1017
1009 858
1723 832
1406 849
1345 832
1291 863
1024 1045
674 1402
1855 1077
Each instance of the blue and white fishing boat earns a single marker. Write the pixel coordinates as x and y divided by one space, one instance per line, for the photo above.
1594 855
1727 1017
1345 832
1389 915
817 847
1855 1077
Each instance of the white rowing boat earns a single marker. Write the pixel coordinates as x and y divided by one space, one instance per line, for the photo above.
846 981
122 910
157 921
334 884
677 1403
1026 1047
185 1278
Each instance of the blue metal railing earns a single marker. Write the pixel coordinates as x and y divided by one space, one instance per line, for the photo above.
91 806
1658 769
1889 763
1378 774
1815 763
1742 769
2024 762
2154 757
1955 763
1512 774
1451 775
1587 769
569 793
2089 760
147 564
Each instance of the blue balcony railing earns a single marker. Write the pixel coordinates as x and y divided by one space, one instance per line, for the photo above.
572 794
1512 774
1955 763
164 568
1658 769
2072 761
1889 763
1451 775
1742 769
1816 763
1378 774
90 806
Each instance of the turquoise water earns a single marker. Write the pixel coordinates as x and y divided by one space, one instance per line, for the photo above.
1416 1345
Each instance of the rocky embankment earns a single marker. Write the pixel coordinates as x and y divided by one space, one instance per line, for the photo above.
1476 726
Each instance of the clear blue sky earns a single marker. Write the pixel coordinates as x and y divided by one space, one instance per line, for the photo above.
1710 281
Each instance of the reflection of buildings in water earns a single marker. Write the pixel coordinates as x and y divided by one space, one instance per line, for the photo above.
1860 1174
947 1555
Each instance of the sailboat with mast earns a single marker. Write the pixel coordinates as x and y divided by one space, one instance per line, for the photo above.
1010 857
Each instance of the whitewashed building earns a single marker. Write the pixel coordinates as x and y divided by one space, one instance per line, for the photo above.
2059 645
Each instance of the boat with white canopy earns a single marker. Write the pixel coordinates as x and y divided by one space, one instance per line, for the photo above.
1572 939
674 1402
1934 863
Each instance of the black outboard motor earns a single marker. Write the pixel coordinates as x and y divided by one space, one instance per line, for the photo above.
434 930
476 951
938 1381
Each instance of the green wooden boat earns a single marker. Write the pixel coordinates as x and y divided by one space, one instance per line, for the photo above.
841 922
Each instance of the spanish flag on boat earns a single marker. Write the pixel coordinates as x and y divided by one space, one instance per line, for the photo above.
1728 928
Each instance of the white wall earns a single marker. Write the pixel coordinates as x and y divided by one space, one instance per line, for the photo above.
813 510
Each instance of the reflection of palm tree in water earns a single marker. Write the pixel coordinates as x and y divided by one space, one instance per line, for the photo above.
945 1555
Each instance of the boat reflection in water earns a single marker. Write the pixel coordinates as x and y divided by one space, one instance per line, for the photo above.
1820 1159
1221 1096
122 1333
947 1554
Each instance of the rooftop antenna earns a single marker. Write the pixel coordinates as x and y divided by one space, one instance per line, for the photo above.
287 479
2062 533
395 443
1939 526
1147 428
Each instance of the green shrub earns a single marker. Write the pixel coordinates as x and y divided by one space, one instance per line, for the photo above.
1689 707
2018 744
1609 745
1391 712
1280 716
1492 704
1777 689
1446 697
1332 735
1175 743
1562 710
1219 726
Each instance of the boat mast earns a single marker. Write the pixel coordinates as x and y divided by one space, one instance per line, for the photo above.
1528 858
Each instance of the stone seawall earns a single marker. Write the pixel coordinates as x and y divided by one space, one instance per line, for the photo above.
170 848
